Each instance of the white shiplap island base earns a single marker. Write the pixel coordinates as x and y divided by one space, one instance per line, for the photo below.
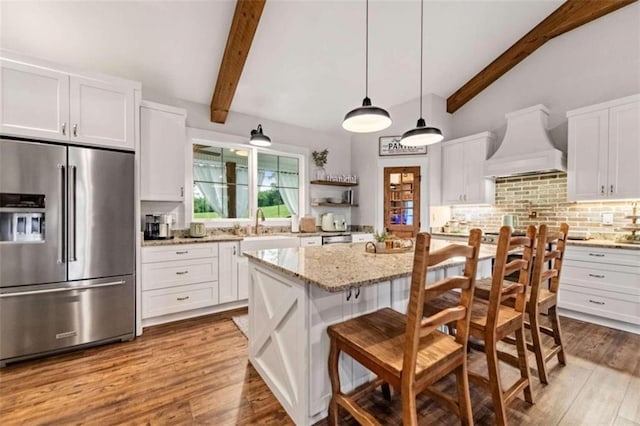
295 293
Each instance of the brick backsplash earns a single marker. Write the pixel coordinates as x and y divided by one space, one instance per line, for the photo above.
545 194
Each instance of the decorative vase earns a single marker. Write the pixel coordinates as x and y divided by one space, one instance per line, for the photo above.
320 173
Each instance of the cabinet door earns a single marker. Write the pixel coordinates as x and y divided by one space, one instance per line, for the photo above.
101 114
477 188
588 156
242 265
365 302
624 151
228 272
35 101
162 150
325 308
452 173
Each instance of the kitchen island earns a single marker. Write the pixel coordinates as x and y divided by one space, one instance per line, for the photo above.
295 293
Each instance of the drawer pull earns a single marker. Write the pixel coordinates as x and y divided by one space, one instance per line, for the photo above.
182 252
596 276
596 254
182 272
596 302
182 298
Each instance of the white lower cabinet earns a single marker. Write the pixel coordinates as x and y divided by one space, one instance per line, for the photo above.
177 279
601 286
228 261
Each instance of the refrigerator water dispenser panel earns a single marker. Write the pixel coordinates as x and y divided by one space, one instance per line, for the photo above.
21 217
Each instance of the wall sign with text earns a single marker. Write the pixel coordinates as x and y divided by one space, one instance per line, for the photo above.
390 145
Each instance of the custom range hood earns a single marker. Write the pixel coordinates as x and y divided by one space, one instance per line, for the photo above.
526 148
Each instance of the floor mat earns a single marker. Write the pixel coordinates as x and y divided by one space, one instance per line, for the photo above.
242 322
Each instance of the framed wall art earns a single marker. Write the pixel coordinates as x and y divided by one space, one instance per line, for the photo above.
390 145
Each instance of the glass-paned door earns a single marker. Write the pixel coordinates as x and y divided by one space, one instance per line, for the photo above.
402 200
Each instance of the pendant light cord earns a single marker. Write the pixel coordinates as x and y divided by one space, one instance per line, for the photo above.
421 49
366 61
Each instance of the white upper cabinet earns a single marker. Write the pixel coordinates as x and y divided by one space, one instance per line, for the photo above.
604 151
44 101
35 101
101 113
162 152
463 180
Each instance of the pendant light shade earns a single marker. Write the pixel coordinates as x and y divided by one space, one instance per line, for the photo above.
367 118
421 135
258 138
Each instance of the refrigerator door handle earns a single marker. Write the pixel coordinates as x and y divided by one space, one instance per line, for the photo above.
73 257
62 214
57 290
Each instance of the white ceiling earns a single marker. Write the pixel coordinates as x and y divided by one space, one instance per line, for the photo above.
306 65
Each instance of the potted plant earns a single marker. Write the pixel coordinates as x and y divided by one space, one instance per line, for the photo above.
380 238
320 159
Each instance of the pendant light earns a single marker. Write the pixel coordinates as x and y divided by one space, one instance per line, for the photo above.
367 118
258 138
421 135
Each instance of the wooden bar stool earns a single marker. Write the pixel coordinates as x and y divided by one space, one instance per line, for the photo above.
550 246
491 321
407 351
541 299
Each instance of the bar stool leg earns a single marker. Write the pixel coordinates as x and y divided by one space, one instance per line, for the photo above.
557 336
464 399
495 381
521 345
537 346
334 376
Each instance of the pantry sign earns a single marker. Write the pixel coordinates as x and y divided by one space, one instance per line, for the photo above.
390 145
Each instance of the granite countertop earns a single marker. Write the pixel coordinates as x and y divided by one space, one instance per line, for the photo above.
216 238
190 240
598 243
339 267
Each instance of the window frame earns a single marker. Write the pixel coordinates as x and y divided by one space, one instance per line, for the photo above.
222 140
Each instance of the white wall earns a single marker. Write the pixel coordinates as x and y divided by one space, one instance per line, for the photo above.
284 137
368 165
594 63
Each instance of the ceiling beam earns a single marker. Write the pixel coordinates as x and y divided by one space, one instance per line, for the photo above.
570 15
243 27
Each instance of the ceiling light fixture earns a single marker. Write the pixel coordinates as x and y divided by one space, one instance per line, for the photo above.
367 118
258 138
421 135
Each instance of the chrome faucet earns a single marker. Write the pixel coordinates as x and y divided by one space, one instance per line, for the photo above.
259 213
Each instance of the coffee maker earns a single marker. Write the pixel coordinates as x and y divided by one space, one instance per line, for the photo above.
157 226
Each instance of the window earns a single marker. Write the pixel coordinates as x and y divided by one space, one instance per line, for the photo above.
278 182
220 183
229 182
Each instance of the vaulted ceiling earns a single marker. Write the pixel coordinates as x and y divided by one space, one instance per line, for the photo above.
306 64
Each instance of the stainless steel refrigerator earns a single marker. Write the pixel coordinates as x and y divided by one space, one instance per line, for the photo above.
67 247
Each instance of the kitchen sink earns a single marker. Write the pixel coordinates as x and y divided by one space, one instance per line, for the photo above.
263 242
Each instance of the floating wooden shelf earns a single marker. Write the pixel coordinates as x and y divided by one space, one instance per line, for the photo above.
333 205
332 183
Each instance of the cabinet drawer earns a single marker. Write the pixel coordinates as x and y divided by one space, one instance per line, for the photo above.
600 255
598 303
178 252
361 238
169 274
178 299
310 241
614 278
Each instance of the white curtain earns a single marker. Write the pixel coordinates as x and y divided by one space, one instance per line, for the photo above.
289 195
206 171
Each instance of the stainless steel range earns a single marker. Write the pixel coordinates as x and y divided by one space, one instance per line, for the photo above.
67 247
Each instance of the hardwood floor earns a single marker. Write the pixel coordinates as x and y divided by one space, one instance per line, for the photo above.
196 372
